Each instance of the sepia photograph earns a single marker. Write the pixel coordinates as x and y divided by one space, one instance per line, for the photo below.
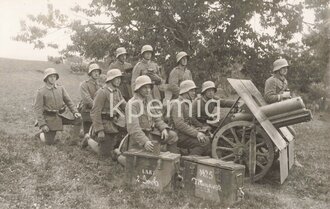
157 104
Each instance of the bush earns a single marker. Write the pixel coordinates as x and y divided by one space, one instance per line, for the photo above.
79 68
56 60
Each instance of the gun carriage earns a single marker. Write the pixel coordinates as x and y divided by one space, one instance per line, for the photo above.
259 135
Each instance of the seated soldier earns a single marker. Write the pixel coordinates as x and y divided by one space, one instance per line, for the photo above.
51 108
107 121
206 108
144 124
189 136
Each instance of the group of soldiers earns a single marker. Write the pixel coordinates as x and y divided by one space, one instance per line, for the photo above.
126 106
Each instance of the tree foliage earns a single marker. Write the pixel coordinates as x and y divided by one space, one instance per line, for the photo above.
217 34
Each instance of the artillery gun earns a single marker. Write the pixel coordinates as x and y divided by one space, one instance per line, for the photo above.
260 135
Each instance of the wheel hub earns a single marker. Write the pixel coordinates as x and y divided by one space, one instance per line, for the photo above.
239 151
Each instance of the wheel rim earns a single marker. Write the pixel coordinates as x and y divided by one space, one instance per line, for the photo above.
232 143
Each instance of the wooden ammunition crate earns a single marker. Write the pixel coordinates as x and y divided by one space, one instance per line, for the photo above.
151 171
213 179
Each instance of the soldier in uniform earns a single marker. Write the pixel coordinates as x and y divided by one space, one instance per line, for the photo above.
88 90
107 116
207 107
179 74
276 87
54 108
143 126
190 137
149 68
126 69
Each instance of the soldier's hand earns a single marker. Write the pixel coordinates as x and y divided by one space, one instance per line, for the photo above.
155 78
77 115
286 95
201 137
100 136
149 146
45 128
164 134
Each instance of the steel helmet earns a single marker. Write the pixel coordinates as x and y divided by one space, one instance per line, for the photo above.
120 51
208 85
279 63
180 55
146 48
186 86
93 67
113 73
50 71
141 81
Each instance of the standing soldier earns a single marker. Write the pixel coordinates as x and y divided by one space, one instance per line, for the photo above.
107 121
149 68
143 125
178 74
276 87
51 108
126 69
189 136
88 90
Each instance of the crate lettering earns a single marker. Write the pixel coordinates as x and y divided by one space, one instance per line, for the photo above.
147 172
143 180
207 187
206 173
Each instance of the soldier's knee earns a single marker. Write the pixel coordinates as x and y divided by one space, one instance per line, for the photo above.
173 137
77 121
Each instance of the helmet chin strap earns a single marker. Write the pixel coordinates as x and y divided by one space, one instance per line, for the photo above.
189 96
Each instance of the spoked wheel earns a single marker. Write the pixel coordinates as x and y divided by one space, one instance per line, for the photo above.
232 143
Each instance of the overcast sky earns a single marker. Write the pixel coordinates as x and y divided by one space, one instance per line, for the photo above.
12 11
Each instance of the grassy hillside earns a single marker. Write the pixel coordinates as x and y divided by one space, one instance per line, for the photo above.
33 175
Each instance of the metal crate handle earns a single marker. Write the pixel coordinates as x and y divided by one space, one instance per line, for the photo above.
239 183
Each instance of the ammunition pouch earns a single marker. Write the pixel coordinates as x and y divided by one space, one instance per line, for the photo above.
116 120
106 116
153 131
55 112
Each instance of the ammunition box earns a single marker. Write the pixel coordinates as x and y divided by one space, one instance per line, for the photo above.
157 172
213 179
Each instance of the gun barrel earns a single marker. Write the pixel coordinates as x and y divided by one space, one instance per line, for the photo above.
281 114
283 107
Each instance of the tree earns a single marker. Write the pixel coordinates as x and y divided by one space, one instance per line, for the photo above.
217 34
312 66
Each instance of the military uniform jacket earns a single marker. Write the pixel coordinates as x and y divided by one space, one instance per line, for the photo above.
100 113
274 87
151 69
180 119
88 91
52 99
199 115
177 75
124 87
137 127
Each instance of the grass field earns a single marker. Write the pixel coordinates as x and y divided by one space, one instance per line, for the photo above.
33 175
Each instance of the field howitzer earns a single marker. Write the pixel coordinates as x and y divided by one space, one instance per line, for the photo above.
259 136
